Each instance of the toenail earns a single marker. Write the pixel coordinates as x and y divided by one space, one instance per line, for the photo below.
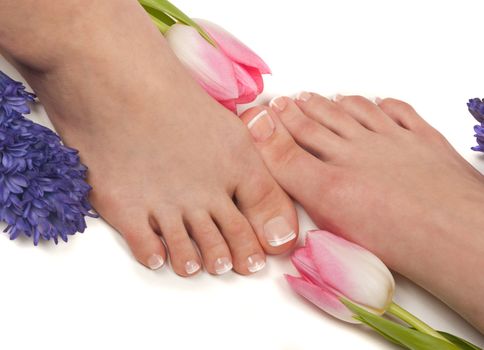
278 231
278 103
303 96
256 262
222 265
261 126
155 262
191 267
338 97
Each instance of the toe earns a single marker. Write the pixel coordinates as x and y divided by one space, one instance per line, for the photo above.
403 114
269 210
327 113
215 252
183 255
309 133
146 245
365 112
247 254
298 172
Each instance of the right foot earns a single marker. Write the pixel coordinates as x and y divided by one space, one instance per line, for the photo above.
382 177
163 157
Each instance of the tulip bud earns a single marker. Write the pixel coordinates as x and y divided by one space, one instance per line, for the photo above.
332 268
230 72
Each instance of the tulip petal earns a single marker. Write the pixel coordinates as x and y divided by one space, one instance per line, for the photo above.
209 66
323 299
230 105
351 270
303 262
248 89
256 76
233 47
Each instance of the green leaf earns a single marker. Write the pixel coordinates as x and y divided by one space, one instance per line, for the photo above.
163 17
172 11
461 343
163 27
401 335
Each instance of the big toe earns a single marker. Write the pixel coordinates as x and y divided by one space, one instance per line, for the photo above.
268 209
301 174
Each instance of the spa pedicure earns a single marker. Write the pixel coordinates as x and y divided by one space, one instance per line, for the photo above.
222 265
261 126
155 261
278 231
255 262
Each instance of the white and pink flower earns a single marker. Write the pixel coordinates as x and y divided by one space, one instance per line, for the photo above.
230 72
332 268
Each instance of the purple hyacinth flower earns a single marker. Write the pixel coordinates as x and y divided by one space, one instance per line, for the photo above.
476 108
43 193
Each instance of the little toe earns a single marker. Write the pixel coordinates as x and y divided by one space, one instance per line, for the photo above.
310 134
403 114
247 254
327 113
183 255
299 173
365 112
144 243
214 249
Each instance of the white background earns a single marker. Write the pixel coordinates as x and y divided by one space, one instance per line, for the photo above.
90 293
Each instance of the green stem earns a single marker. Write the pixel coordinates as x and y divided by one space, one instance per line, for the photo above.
419 325
161 25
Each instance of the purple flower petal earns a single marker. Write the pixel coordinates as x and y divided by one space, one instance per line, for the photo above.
43 193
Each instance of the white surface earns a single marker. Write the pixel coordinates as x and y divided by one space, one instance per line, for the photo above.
90 293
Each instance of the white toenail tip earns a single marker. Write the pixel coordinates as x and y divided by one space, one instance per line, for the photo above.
256 118
273 103
223 265
224 269
191 267
278 242
257 267
303 96
155 262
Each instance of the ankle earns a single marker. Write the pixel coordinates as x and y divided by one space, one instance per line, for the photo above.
66 32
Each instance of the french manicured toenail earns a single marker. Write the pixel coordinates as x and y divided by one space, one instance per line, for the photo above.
255 262
191 267
278 103
278 231
261 126
338 97
155 262
303 96
222 265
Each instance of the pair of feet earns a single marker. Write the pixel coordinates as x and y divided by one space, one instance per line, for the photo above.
193 175
165 159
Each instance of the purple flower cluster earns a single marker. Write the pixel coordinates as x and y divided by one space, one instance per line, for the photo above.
476 108
43 193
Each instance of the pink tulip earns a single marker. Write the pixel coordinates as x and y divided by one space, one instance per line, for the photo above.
230 72
332 267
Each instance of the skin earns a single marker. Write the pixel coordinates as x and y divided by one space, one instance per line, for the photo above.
379 175
160 164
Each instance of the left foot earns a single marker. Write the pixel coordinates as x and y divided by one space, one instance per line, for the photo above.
379 175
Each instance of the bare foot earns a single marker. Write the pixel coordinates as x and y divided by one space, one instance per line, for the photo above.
163 157
381 176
